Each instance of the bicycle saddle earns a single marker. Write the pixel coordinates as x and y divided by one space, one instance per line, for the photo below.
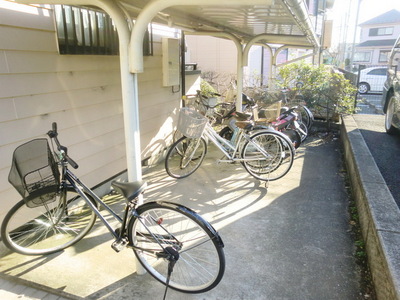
247 125
130 190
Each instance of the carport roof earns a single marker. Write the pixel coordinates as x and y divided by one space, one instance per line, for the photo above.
284 21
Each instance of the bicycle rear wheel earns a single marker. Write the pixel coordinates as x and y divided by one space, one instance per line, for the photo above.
161 225
303 131
185 157
268 155
294 136
49 228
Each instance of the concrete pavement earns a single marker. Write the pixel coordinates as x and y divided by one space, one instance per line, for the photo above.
290 240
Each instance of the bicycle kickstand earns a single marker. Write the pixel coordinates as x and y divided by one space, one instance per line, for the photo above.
266 184
172 259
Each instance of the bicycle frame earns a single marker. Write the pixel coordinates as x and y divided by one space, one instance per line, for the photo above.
70 180
231 149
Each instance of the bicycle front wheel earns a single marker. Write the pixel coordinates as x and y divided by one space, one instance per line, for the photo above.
56 225
268 155
306 116
162 225
185 157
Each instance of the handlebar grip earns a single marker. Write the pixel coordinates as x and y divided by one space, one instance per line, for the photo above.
72 163
53 132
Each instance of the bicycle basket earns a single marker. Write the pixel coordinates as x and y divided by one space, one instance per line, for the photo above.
191 123
34 172
270 113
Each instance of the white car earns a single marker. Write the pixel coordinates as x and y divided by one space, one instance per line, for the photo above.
372 79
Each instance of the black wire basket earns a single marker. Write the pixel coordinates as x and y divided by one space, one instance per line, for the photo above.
34 173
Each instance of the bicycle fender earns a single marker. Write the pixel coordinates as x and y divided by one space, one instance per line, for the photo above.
180 207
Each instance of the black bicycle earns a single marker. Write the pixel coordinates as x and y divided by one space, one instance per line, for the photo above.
172 242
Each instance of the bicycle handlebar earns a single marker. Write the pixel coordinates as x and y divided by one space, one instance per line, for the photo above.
53 134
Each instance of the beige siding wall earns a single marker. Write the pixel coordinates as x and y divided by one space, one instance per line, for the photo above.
215 57
82 93
212 54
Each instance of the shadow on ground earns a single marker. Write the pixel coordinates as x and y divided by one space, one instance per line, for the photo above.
288 241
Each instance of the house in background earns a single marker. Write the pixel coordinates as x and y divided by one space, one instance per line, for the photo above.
378 36
216 58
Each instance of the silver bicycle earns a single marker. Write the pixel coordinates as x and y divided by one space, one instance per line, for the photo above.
265 153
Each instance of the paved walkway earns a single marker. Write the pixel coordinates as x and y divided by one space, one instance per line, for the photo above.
291 240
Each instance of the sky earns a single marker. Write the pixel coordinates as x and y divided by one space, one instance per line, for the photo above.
344 14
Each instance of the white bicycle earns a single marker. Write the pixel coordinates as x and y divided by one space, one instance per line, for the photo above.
265 153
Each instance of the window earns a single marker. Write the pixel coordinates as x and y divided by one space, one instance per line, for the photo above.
88 31
381 31
362 57
85 31
384 56
380 72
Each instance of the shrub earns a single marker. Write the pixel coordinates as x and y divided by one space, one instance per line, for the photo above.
326 92
206 89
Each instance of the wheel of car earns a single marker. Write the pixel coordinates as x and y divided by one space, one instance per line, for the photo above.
363 87
390 111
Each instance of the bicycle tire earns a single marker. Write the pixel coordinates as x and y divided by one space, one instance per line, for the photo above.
48 228
306 116
158 225
273 147
185 157
281 155
293 135
177 135
304 131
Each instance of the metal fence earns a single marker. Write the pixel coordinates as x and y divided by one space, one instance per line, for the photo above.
370 79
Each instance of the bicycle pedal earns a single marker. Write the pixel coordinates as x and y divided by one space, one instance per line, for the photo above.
119 245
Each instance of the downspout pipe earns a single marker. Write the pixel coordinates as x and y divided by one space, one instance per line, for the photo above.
128 80
155 6
239 63
183 64
298 10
